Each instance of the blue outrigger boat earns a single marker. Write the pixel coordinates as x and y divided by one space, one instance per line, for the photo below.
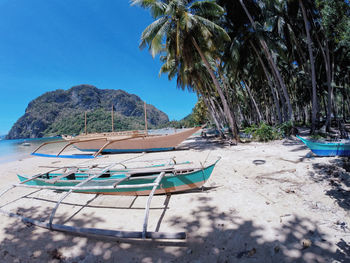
149 180
138 181
327 148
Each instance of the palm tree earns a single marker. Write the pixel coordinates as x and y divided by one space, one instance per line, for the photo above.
312 65
185 29
271 61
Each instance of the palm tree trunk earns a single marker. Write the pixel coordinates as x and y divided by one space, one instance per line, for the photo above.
213 115
220 111
248 102
277 105
254 102
228 114
272 64
326 59
329 85
312 64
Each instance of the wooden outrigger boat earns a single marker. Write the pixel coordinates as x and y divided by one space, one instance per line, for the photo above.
150 180
124 181
122 142
327 148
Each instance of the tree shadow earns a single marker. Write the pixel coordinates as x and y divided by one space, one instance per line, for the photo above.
201 144
291 142
232 239
213 236
337 174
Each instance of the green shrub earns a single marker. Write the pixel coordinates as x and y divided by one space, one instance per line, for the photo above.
263 132
285 128
250 129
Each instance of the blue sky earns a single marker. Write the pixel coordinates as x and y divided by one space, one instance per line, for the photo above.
56 44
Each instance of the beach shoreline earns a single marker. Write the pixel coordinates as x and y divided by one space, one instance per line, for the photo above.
263 203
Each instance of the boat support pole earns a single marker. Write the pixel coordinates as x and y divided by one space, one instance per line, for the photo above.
156 184
45 143
112 141
30 179
71 190
6 190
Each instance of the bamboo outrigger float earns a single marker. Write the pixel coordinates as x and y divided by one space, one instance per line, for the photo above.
150 180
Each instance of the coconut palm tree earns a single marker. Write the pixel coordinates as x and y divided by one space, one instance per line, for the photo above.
185 29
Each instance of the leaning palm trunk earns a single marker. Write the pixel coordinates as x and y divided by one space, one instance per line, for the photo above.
253 101
220 112
275 100
325 55
213 115
272 64
312 64
229 115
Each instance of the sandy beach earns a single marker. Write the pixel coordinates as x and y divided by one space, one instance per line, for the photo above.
265 202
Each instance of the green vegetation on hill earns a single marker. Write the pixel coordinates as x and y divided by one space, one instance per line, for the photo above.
97 121
62 112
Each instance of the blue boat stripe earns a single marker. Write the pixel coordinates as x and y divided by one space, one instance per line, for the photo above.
78 156
127 150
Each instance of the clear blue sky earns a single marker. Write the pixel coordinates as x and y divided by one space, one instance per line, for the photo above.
55 44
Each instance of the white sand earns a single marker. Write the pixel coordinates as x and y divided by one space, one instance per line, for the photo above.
249 211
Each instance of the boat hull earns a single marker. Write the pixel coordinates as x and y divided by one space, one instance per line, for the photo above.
169 184
327 148
150 143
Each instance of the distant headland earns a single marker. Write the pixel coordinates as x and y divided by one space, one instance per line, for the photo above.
62 112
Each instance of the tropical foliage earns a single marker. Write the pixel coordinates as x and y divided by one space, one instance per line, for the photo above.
254 62
98 120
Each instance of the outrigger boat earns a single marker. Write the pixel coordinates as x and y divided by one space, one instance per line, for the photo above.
136 181
150 180
327 148
121 142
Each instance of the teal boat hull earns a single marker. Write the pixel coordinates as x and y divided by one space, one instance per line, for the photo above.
327 148
170 183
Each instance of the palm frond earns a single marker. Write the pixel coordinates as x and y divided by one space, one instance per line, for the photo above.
156 7
212 27
151 31
156 44
206 9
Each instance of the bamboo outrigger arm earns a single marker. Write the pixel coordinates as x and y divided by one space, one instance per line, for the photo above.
110 141
46 143
145 221
78 185
95 231
70 143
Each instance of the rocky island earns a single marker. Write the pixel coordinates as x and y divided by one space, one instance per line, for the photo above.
62 112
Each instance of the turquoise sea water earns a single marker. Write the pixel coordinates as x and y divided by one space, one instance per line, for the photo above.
11 150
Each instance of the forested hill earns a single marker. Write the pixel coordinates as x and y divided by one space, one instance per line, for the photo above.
62 112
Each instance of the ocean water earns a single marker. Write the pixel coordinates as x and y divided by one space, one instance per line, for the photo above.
11 150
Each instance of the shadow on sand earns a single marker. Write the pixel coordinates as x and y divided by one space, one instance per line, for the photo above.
202 144
213 236
294 142
337 175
